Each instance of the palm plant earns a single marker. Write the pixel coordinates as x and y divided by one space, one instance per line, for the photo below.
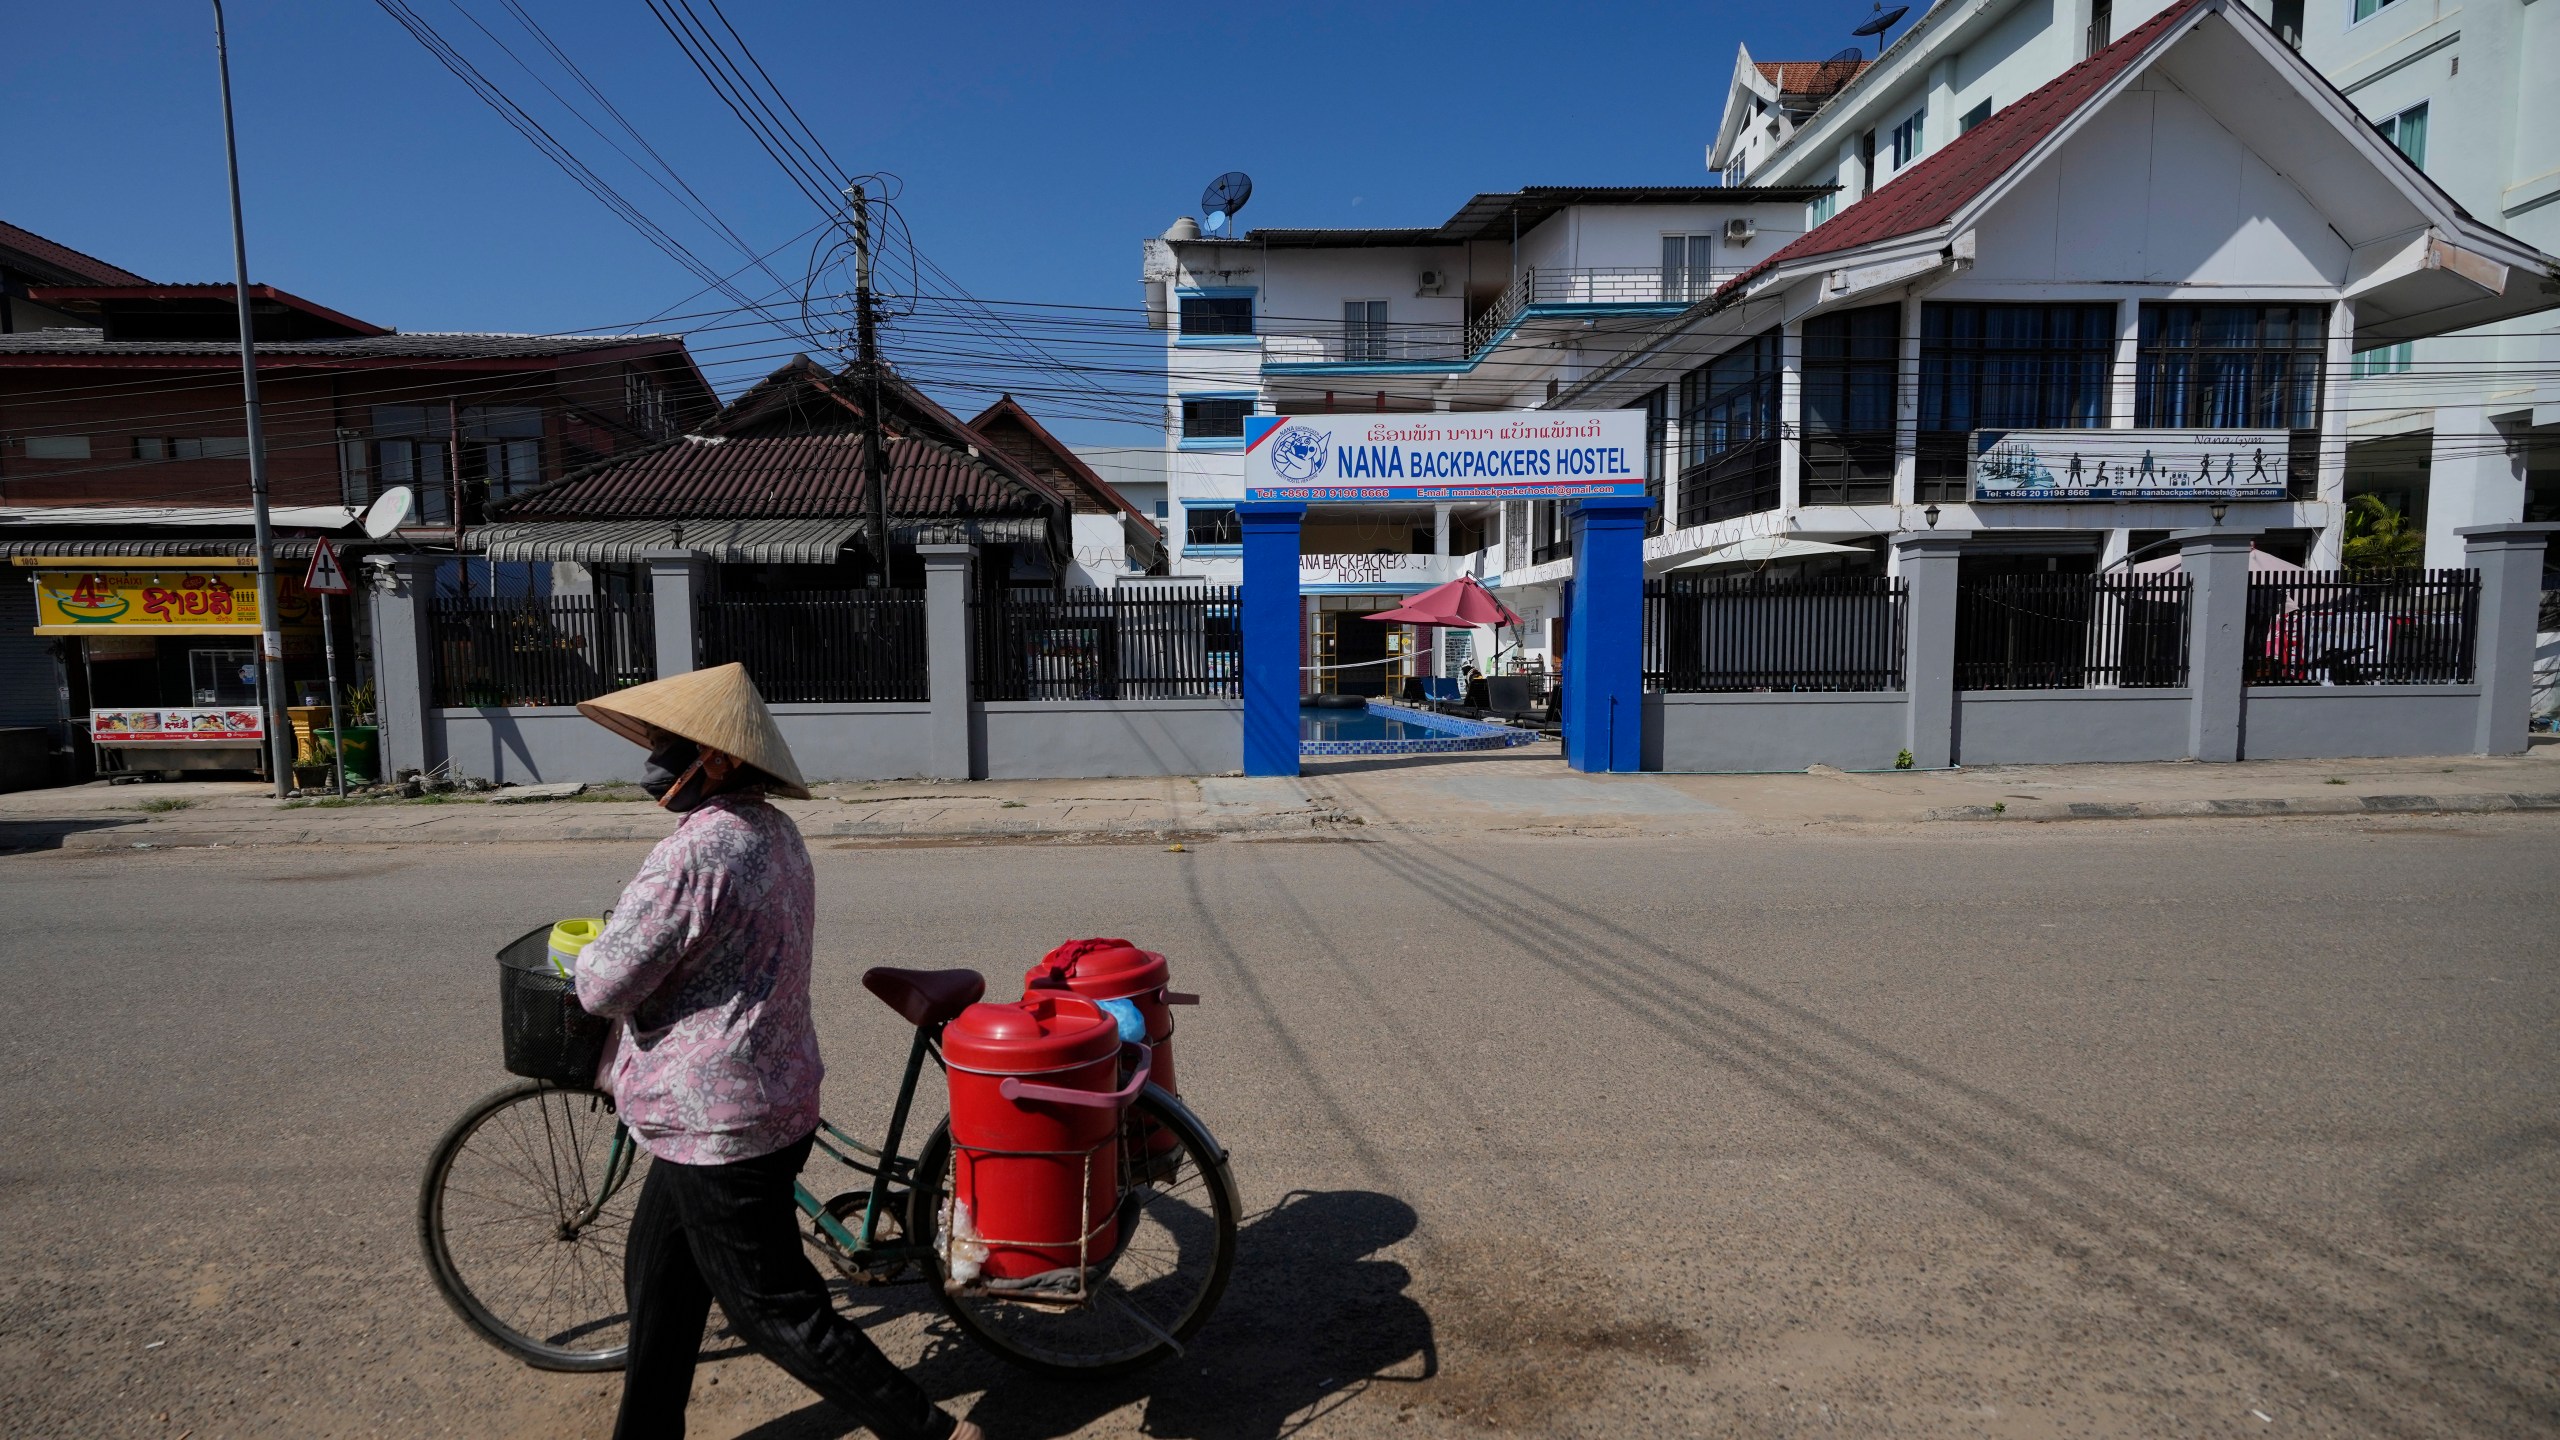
2380 541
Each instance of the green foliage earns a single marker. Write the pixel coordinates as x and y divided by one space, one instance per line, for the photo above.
1902 760
164 805
2379 539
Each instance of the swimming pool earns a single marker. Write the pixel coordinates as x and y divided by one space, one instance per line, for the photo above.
1383 729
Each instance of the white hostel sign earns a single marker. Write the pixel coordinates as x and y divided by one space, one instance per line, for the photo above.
2130 464
1444 456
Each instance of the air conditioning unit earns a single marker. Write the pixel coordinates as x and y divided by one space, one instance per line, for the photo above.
1430 281
1739 230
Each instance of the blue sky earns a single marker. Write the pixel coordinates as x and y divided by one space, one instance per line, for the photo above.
1037 143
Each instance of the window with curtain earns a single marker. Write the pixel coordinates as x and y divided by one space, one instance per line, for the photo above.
2006 367
2408 131
1850 360
2235 367
1364 330
1688 266
1729 433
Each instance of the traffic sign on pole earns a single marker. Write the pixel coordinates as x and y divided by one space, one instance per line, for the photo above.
326 576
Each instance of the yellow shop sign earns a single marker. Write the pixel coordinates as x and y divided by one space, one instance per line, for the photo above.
190 602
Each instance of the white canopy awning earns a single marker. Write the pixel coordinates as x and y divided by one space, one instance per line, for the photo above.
1758 550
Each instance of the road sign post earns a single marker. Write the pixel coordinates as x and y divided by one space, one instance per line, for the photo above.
327 579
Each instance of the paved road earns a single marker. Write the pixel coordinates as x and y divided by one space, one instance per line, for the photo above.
2118 1129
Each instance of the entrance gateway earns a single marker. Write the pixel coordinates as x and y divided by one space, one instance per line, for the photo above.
1595 457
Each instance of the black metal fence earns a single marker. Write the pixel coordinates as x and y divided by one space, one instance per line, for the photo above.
2320 627
2071 632
820 645
541 650
1833 633
1130 642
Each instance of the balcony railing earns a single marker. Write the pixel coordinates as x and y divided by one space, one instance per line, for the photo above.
1333 342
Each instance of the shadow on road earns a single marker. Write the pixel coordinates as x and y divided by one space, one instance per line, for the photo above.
1310 1321
19 836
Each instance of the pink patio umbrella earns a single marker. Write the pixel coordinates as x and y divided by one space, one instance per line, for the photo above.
1462 603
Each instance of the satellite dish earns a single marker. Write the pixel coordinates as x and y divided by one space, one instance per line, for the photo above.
1854 52
1224 197
1882 20
389 511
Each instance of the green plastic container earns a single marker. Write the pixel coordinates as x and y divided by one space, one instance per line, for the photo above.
364 754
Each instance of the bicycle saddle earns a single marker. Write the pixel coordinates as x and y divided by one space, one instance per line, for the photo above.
925 997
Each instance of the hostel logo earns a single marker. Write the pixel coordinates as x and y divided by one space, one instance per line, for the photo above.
1297 453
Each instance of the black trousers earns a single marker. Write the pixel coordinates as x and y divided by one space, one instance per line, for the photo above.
731 1232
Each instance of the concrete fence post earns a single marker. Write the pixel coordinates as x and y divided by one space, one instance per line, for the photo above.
674 580
2217 565
948 661
402 587
1928 563
2509 559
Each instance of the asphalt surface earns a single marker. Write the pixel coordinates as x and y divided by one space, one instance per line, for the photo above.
2135 1129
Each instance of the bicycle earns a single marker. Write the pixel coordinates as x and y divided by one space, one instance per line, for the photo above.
527 1201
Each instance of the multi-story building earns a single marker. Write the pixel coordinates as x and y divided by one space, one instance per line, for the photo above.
122 439
1516 296
2454 430
2190 233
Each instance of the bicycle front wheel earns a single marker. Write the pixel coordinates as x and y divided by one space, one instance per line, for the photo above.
1171 1268
523 1215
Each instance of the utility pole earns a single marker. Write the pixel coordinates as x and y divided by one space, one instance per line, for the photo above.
270 637
866 329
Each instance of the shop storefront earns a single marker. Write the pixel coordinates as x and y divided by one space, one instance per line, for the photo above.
162 658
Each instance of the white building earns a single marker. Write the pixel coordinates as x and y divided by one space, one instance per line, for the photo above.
1515 297
2456 430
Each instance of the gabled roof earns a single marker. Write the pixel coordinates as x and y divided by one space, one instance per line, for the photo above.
1929 194
792 446
142 293
1810 79
34 253
1006 418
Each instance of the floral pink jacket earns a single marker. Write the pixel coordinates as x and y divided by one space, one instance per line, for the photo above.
706 962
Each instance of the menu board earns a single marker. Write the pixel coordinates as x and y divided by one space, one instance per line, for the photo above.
174 725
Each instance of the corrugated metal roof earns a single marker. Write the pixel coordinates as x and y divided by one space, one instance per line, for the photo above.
1929 193
771 476
65 259
1811 78
744 542
287 548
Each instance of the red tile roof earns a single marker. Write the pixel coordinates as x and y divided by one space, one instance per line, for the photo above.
1810 77
62 257
756 477
1927 194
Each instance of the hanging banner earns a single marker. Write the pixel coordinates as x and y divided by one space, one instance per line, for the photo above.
1445 456
2130 464
175 602
178 725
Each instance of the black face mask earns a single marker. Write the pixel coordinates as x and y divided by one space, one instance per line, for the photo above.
666 766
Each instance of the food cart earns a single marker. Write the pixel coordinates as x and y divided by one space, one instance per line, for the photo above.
167 655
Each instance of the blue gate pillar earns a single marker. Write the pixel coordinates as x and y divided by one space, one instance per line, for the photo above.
1271 638
1604 637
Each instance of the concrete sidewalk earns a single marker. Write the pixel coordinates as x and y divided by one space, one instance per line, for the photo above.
1526 791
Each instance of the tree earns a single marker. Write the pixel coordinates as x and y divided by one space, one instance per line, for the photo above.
2379 540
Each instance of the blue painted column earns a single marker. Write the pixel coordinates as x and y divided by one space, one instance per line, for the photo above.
1270 636
1604 637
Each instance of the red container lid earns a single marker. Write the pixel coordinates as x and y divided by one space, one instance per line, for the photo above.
1042 1032
1099 970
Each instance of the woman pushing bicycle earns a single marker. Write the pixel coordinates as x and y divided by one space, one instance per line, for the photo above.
706 963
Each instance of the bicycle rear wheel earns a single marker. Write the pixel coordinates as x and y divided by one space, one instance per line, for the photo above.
1170 1271
523 1215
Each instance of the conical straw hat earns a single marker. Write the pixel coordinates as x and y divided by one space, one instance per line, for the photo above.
718 707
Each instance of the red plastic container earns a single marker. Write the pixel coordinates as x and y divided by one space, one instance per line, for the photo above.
1104 969
1035 1130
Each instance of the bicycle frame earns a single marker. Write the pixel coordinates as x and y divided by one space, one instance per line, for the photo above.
888 1170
